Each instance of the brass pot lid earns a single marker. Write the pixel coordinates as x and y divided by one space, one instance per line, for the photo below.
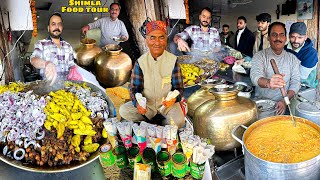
88 41
113 49
209 83
225 91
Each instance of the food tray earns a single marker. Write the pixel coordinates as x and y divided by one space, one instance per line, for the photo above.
42 88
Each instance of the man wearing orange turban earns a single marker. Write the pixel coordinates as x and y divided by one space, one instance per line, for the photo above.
154 75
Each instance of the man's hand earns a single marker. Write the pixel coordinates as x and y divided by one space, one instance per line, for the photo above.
281 107
50 72
123 38
141 110
169 103
85 29
277 81
239 61
182 45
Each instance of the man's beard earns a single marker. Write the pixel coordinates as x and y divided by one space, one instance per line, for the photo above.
55 36
204 25
262 29
292 44
225 33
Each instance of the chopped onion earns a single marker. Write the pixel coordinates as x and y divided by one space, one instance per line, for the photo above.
5 150
41 134
15 154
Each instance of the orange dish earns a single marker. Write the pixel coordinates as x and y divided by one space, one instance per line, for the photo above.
281 142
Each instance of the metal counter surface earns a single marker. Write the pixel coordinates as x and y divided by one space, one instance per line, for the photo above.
92 171
229 75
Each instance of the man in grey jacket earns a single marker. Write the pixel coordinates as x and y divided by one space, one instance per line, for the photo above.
262 76
111 27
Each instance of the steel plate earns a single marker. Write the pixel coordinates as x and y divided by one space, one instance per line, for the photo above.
42 88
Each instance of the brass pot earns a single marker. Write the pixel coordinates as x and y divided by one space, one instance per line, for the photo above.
113 67
215 119
86 52
202 95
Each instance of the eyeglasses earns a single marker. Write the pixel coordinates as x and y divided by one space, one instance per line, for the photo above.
275 35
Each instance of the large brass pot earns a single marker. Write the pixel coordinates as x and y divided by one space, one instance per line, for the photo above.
113 67
86 52
202 95
215 119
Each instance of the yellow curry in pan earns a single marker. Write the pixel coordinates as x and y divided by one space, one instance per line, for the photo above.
281 142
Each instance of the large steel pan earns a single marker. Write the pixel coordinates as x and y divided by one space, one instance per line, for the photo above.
42 88
257 168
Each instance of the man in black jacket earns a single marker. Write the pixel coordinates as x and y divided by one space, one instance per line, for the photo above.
227 36
244 38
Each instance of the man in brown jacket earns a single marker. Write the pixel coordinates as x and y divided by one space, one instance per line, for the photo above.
261 35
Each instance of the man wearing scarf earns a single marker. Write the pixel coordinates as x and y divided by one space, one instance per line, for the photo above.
302 47
154 75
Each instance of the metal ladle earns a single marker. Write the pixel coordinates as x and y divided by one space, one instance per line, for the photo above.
283 91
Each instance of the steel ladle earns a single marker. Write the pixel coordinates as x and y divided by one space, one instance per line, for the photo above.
283 91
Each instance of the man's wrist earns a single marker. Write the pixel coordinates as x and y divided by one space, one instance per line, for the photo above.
178 39
46 64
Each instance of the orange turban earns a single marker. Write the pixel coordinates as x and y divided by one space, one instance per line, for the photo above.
156 25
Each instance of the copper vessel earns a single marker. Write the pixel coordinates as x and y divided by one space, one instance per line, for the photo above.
113 67
202 95
215 119
86 52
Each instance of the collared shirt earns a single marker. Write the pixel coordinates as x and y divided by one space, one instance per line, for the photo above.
109 29
62 57
137 81
239 35
201 40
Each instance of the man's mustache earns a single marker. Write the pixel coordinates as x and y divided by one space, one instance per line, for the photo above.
56 30
278 41
205 21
